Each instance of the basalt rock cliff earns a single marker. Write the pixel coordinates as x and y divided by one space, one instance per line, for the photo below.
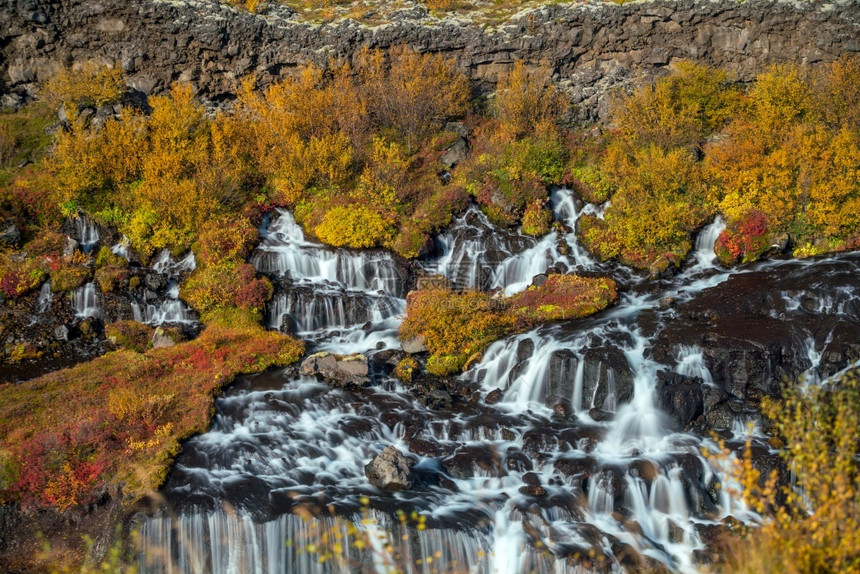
590 47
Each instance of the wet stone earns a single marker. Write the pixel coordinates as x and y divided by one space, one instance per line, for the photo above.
391 470
494 396
531 479
533 490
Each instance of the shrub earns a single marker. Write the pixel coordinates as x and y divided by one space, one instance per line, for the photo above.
812 525
457 327
68 278
681 109
129 335
354 226
592 184
454 326
561 297
90 85
526 99
20 277
125 414
111 278
405 369
660 200
537 219
24 352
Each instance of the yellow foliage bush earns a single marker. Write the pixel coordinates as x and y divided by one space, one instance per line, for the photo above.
355 226
814 524
525 99
92 84
685 107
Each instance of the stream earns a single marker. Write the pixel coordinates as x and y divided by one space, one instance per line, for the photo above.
587 458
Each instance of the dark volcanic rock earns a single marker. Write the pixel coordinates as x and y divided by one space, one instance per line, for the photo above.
469 461
591 49
680 397
9 233
391 470
343 370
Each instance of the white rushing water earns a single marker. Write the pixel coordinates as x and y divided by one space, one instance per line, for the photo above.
326 289
280 476
86 301
170 308
476 254
88 233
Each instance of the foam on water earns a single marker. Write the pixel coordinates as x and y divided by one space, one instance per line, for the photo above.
615 471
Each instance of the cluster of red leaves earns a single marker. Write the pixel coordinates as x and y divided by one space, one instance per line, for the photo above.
747 241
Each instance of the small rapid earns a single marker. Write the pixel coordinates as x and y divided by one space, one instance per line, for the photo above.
169 308
589 457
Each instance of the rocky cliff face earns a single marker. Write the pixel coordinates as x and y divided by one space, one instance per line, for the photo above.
591 47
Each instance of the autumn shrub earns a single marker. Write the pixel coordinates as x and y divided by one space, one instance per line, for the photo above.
411 93
684 108
526 98
592 184
129 335
69 277
23 352
91 84
789 155
812 524
354 226
405 369
20 277
561 297
660 200
125 414
456 327
537 218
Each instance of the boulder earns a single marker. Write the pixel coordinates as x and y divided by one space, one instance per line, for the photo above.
343 370
680 397
155 281
414 345
161 338
10 235
70 246
455 153
390 470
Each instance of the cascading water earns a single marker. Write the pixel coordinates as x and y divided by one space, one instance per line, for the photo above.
579 456
46 296
85 301
476 254
322 289
170 309
87 232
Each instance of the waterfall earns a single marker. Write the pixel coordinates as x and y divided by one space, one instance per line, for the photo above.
87 232
46 296
85 301
476 254
573 458
170 309
121 249
322 288
703 252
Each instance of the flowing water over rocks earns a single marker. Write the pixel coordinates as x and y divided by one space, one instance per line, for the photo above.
570 448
